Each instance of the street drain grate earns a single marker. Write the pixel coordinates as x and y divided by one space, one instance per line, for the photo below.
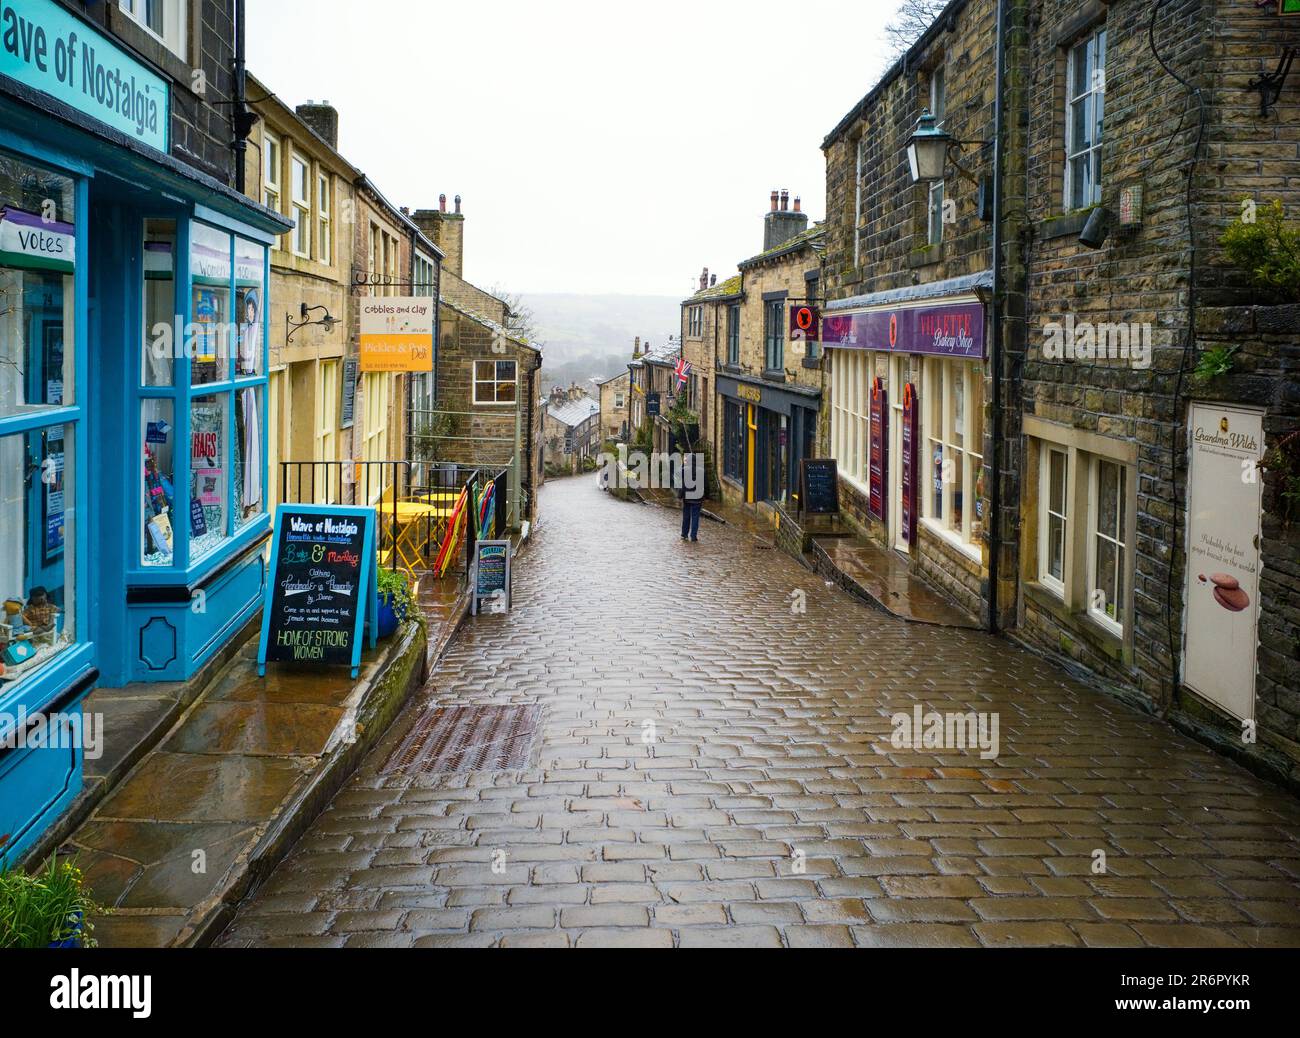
464 739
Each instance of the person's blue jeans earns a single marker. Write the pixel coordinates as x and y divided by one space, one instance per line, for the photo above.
691 511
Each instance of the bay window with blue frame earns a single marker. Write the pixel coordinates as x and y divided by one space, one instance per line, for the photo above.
45 656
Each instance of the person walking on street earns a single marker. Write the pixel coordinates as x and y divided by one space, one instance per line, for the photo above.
691 493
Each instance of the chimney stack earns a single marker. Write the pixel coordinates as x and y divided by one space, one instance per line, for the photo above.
447 231
780 225
323 118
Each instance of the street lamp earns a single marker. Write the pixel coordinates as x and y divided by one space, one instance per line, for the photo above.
927 151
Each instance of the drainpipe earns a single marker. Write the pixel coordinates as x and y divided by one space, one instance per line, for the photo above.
996 322
240 109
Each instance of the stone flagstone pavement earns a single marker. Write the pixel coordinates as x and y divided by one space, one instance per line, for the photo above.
770 807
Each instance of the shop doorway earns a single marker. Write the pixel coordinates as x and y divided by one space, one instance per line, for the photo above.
897 528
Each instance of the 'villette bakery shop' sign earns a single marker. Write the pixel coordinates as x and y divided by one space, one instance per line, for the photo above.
955 330
45 47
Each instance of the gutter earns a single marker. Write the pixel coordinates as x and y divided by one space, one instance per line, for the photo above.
996 307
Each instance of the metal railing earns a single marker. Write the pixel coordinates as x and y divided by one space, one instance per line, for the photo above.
416 504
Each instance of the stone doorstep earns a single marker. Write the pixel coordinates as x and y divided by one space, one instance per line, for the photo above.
386 684
173 700
373 707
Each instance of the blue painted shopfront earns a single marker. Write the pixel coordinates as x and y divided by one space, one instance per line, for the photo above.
133 367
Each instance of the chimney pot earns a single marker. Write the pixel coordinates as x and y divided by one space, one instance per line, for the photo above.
713 281
785 201
458 205
442 203
798 205
776 200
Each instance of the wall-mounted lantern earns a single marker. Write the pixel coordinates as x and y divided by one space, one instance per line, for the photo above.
927 150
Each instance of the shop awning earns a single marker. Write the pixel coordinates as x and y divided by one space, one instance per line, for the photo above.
951 288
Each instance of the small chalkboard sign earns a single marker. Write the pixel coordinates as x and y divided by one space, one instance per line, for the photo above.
821 486
323 587
492 577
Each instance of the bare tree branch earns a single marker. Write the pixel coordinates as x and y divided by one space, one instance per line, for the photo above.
910 22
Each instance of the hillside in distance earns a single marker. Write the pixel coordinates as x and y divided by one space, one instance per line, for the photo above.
591 336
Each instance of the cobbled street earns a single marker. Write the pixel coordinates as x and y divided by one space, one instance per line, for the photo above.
712 769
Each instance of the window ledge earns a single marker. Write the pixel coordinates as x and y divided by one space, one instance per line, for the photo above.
774 376
1078 622
813 363
971 551
925 256
1064 226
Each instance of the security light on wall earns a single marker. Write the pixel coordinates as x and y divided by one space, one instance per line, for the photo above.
1098 228
927 150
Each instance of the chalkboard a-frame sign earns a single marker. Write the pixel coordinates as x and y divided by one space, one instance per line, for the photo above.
821 486
492 575
323 588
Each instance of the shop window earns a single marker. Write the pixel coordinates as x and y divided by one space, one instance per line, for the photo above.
774 335
209 508
250 301
36 564
1055 528
953 412
734 442
159 347
158 434
495 382
376 405
300 188
733 335
1107 548
1084 116
210 305
851 374
38 238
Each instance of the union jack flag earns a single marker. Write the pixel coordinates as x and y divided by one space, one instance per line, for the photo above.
683 373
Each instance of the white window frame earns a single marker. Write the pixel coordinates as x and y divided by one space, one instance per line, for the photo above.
494 382
947 372
1047 514
325 216
934 213
1122 607
272 171
175 22
858 200
851 375
302 213
375 386
1091 50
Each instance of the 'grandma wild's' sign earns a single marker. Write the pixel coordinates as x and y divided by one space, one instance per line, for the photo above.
45 47
322 587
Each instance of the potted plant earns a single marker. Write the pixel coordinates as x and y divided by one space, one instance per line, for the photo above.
49 910
395 601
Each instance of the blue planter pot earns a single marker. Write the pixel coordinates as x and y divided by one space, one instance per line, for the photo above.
390 616
72 942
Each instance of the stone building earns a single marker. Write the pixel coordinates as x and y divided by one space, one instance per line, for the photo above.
764 418
615 406
572 430
295 168
1109 538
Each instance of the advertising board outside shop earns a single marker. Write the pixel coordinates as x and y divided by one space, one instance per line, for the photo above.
397 334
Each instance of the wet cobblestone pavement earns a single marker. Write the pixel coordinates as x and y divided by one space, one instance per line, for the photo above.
771 808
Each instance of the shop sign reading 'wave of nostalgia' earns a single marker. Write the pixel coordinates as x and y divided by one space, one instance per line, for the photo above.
46 48
956 330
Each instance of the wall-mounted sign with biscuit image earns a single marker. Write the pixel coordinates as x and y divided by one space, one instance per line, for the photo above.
1224 503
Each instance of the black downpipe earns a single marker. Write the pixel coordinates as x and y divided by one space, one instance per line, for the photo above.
996 322
239 121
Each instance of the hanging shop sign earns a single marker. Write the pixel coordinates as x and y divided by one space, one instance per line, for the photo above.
1221 633
44 47
955 330
911 463
323 587
821 486
32 242
492 577
878 475
397 334
805 324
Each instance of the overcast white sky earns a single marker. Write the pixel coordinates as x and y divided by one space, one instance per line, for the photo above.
601 147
